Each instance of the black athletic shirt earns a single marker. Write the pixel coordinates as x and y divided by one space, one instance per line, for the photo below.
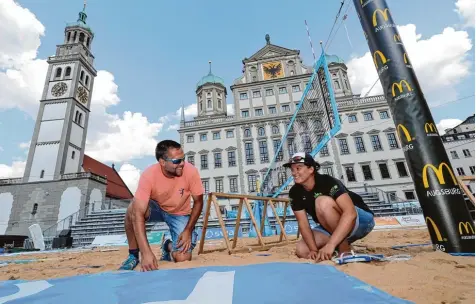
301 199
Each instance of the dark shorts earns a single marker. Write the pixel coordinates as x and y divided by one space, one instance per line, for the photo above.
364 224
176 223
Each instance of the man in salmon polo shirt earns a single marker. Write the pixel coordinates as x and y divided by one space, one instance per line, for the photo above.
163 195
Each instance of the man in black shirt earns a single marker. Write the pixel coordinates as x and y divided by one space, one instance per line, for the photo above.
342 215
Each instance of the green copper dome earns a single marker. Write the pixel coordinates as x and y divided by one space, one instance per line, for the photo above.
210 78
81 22
334 59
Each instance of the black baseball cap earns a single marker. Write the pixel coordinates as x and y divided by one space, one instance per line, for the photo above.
302 158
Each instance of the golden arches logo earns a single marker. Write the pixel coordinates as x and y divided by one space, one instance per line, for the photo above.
405 132
397 38
383 59
384 14
467 227
439 238
430 127
400 85
439 174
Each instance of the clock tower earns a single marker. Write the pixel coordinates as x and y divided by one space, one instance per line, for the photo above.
59 137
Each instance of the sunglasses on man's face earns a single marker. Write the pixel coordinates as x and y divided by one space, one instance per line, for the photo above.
175 161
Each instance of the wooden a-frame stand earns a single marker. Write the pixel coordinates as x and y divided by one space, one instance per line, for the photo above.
244 199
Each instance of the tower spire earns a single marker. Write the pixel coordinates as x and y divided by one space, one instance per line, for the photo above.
82 14
183 112
210 64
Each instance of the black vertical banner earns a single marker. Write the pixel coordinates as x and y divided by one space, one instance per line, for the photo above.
446 215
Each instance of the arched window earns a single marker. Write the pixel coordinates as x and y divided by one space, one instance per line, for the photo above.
42 174
35 208
261 131
88 42
219 103
87 80
201 105
69 37
76 117
247 133
275 129
68 72
81 37
80 118
73 154
58 72
81 77
74 37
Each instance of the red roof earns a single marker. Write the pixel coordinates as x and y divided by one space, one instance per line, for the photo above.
116 188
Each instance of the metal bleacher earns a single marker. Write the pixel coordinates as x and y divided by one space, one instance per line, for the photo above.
111 222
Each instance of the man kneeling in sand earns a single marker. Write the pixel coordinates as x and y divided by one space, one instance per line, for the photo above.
342 215
163 195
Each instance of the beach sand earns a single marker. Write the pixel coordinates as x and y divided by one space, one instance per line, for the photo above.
428 277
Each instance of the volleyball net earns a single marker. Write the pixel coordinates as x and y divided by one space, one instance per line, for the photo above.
309 129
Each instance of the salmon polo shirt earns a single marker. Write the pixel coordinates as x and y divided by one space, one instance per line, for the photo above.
172 194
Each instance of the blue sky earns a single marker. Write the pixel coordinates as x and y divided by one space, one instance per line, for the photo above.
158 51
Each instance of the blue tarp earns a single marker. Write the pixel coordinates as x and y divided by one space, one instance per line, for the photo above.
264 283
216 233
257 213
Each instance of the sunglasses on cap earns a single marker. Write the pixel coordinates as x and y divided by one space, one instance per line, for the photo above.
175 161
297 159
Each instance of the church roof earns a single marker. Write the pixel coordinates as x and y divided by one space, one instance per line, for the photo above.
116 188
334 59
269 51
210 78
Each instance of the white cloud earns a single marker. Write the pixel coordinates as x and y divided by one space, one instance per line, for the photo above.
1 149
130 174
466 10
14 171
173 127
25 145
447 124
440 61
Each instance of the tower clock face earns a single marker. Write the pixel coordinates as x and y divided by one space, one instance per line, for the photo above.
82 95
59 89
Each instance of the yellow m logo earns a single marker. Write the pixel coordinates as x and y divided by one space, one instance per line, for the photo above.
439 174
467 226
400 85
402 128
384 14
382 58
435 228
430 127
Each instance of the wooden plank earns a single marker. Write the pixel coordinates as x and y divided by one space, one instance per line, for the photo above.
263 217
284 220
466 190
237 225
253 220
222 223
466 177
205 224
283 232
251 197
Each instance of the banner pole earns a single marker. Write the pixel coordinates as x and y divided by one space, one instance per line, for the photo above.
444 208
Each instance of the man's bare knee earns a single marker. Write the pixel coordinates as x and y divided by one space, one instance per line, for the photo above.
182 257
302 250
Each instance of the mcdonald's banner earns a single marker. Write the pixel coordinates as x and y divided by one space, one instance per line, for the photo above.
446 215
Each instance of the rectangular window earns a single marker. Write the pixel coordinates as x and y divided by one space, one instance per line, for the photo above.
285 108
291 147
384 114
352 118
324 151
233 184
263 151
276 143
204 161
190 138
460 171
409 195
216 135
344 148
466 153
296 88
245 113
367 172
258 112
269 92
219 185
256 94
392 141
252 183
384 170
306 142
471 169
230 134
205 185
203 137
359 144
376 142
217 160
402 170
349 171
368 116
328 171
249 155
191 159
231 159
454 154
283 90
243 96
272 110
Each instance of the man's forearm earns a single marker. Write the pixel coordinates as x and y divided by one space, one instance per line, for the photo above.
140 232
196 210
